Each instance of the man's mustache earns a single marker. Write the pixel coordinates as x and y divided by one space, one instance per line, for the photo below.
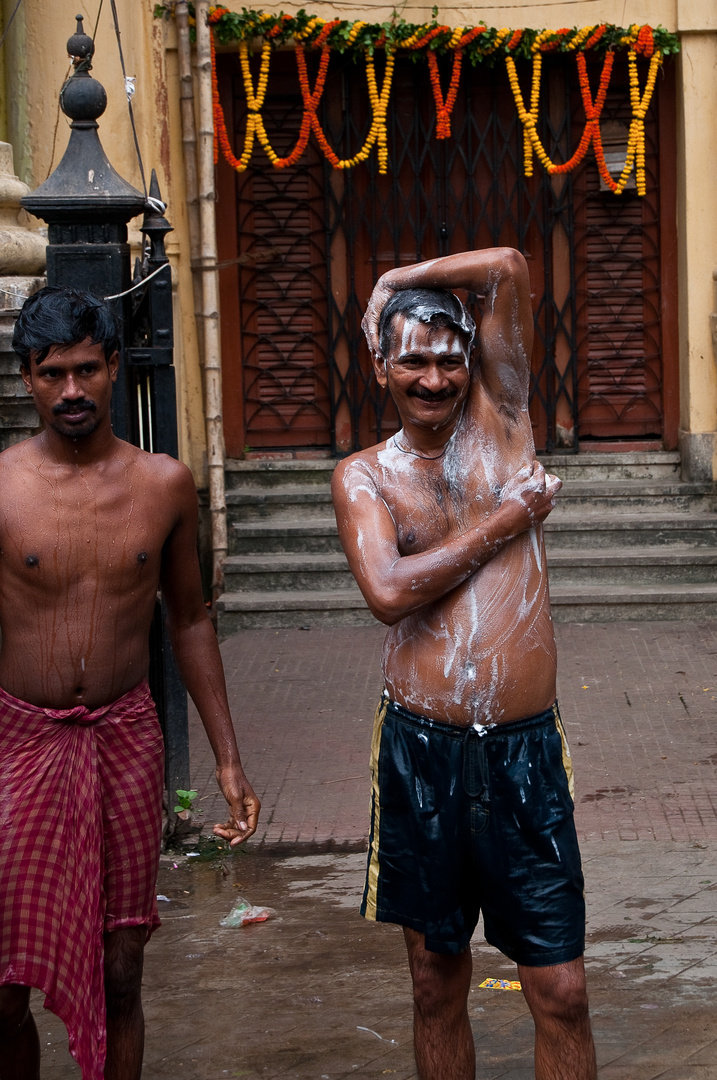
66 408
429 395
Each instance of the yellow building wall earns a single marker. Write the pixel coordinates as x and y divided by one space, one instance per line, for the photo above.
36 66
697 232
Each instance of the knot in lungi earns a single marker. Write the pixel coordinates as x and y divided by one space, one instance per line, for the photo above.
79 714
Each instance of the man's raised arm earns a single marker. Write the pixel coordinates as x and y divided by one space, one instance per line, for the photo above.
396 585
500 276
200 664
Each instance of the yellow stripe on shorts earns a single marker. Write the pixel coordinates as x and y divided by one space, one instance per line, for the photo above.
567 759
373 866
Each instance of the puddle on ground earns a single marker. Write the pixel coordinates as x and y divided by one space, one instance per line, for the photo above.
318 992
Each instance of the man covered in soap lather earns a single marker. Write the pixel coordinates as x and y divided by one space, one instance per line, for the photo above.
472 807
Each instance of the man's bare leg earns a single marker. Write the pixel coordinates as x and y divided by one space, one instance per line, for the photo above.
124 957
19 1041
558 1000
442 1036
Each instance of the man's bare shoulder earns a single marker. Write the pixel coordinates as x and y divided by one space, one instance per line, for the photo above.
161 477
359 468
21 454
161 474
160 465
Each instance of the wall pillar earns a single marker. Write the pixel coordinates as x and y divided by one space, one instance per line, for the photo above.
697 239
22 262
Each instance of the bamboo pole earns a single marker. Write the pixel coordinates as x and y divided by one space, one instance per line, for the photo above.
189 148
210 303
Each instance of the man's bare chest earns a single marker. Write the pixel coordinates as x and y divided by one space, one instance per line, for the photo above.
76 534
431 500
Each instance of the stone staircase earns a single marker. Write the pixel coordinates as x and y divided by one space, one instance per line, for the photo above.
18 419
627 540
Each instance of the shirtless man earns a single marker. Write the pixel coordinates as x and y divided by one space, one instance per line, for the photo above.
471 805
90 526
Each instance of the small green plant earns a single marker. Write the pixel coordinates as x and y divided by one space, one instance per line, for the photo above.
185 800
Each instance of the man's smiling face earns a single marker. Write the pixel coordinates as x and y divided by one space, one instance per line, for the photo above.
426 371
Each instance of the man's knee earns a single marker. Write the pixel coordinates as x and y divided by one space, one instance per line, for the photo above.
124 956
441 981
558 992
14 1009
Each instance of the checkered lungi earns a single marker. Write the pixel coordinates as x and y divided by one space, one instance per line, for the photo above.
80 829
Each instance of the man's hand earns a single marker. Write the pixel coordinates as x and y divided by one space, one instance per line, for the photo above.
380 296
244 806
531 493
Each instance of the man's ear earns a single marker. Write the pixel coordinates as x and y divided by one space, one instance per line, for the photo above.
25 375
113 365
379 369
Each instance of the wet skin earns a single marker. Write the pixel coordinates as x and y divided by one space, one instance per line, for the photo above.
442 528
90 527
441 523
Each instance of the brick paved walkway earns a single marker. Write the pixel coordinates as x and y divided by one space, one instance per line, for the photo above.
638 700
318 993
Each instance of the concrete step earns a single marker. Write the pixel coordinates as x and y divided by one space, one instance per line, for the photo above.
633 465
244 475
632 601
248 610
620 496
592 465
283 535
290 500
630 565
570 603
322 571
588 530
562 532
305 502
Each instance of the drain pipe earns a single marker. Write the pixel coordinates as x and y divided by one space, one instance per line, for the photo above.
210 303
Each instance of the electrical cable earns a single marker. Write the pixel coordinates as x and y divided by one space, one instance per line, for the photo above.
138 285
9 22
97 21
129 96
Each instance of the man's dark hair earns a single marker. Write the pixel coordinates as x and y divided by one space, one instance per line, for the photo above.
436 307
58 315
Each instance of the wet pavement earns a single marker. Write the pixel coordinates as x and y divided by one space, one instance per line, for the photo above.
315 992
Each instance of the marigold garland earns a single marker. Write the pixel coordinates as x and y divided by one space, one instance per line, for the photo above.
479 43
444 108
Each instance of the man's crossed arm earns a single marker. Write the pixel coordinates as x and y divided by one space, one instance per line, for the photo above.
396 585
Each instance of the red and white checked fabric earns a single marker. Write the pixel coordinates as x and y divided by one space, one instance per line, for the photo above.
80 830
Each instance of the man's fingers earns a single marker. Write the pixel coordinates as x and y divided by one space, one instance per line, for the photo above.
234 834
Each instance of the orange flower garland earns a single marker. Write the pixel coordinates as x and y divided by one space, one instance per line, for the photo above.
591 134
432 38
377 133
444 108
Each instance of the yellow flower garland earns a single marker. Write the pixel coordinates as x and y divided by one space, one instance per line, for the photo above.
315 31
255 101
379 105
636 138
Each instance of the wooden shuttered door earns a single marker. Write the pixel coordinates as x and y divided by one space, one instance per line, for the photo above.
620 372
309 243
282 283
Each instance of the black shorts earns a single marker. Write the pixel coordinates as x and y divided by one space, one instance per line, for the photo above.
464 821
